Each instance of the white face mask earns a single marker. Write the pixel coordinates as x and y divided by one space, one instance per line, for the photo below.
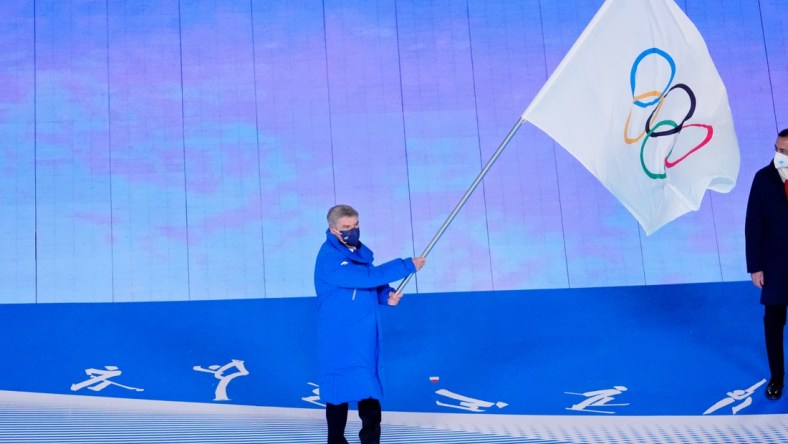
780 160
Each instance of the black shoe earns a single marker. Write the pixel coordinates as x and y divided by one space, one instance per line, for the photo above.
774 390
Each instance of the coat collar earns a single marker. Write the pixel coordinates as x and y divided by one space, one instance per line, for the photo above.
773 173
361 254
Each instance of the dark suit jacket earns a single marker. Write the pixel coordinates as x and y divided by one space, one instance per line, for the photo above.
766 234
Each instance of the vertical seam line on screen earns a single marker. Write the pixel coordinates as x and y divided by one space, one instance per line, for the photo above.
713 215
35 155
642 256
640 231
768 67
183 151
405 140
716 237
109 161
328 101
257 142
479 143
555 155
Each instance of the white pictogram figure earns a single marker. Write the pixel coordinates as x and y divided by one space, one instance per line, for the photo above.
598 398
315 395
737 395
466 403
224 379
99 380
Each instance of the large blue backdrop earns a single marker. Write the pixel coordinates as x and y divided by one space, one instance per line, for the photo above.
166 167
161 150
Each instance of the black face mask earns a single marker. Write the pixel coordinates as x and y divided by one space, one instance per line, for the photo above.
350 237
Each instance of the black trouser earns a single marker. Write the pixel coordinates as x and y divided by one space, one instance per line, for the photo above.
368 411
773 326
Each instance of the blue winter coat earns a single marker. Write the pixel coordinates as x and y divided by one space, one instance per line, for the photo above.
766 234
349 289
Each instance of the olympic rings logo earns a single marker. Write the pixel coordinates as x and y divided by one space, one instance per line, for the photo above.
655 128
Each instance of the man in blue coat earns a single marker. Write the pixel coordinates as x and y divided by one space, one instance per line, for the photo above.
766 237
349 289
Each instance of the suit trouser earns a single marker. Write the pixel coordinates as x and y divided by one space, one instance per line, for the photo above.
370 413
774 326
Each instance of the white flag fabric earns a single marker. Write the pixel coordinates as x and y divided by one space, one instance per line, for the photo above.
638 101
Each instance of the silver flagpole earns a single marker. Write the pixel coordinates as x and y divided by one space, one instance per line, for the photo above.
465 197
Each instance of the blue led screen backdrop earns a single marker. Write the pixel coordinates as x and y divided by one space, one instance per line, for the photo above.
189 150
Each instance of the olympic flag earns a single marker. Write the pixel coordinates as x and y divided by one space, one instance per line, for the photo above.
638 101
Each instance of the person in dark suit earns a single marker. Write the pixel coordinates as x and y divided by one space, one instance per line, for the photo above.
766 239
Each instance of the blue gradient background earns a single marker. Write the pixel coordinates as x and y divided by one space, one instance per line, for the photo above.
169 151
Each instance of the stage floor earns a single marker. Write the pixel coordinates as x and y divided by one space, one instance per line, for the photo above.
61 419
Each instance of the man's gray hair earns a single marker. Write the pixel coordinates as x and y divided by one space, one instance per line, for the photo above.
339 211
